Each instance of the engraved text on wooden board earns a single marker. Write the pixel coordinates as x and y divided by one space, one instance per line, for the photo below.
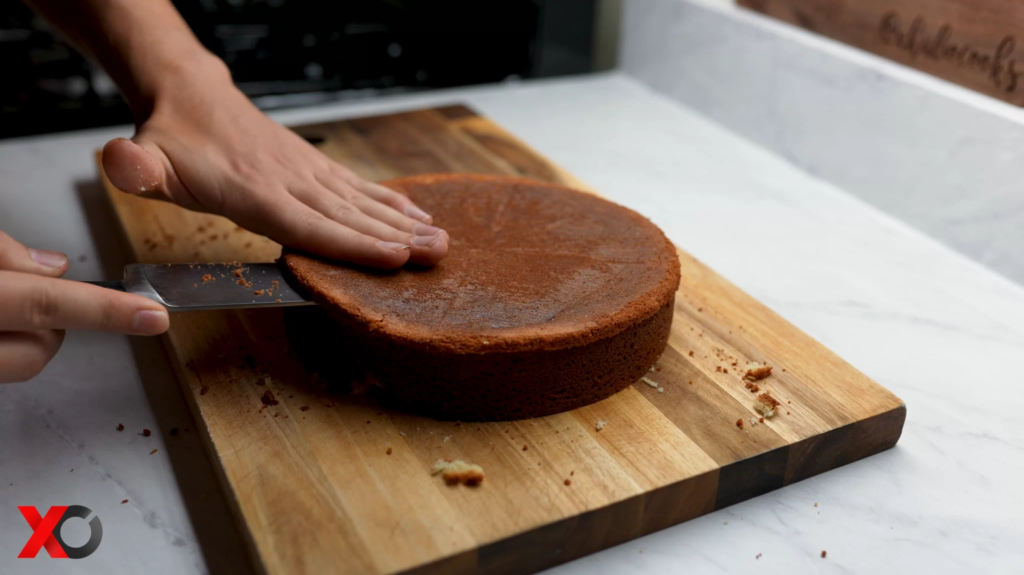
974 43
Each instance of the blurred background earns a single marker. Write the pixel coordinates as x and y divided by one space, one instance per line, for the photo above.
294 52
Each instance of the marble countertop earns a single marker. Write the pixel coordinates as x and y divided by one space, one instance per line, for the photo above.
942 332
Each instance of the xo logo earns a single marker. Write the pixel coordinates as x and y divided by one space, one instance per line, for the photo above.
46 532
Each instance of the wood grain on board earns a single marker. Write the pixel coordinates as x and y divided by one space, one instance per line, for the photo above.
975 43
324 482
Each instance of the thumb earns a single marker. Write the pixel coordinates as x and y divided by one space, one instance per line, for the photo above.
134 170
18 258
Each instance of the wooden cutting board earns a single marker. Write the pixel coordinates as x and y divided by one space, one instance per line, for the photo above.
975 43
327 483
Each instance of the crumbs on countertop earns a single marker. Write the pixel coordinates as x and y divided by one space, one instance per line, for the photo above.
268 398
757 371
766 405
458 471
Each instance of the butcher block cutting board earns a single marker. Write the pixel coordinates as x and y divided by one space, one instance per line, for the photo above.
329 483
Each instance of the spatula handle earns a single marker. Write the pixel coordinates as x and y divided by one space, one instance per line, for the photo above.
114 285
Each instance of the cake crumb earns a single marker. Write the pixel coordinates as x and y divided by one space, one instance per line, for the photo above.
649 382
304 408
458 471
238 272
258 292
661 390
766 405
208 278
388 451
757 371
823 553
652 370
568 482
815 503
152 452
120 427
123 501
753 421
753 387
739 423
268 398
691 353
758 556
526 447
600 424
146 433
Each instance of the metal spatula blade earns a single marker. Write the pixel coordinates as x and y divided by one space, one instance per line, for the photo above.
199 287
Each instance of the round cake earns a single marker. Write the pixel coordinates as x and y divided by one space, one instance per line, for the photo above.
549 299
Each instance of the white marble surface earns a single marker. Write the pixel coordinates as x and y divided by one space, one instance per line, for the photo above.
943 158
942 332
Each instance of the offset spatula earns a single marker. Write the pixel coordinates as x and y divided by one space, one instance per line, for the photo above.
198 287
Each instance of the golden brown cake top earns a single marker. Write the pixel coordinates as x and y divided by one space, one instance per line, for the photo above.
530 266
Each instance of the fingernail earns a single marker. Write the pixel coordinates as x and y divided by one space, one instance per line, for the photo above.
394 246
426 241
415 212
425 230
150 322
48 259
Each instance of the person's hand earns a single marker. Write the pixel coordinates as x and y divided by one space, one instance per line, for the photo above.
38 307
207 148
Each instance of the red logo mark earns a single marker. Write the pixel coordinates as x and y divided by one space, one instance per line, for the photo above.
42 535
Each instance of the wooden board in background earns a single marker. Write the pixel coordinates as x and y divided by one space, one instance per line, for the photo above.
316 491
975 43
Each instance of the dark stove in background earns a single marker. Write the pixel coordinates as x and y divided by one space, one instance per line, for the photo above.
293 52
